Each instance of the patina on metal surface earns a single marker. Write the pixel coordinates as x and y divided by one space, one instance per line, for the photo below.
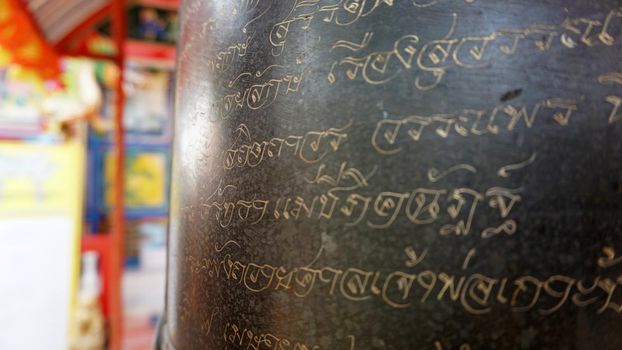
383 174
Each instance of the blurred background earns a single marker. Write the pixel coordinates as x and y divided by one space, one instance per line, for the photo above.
85 153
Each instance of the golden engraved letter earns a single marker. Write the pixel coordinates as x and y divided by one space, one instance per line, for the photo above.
388 205
354 283
463 227
404 282
425 210
256 279
478 289
561 295
521 284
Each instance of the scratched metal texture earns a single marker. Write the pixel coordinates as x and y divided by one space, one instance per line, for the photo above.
569 182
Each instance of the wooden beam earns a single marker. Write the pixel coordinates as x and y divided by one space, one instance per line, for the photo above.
118 18
80 32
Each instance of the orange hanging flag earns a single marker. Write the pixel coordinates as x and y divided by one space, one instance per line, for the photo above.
20 38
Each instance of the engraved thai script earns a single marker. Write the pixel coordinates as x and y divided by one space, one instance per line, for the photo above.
616 114
258 96
431 59
310 147
225 59
246 338
475 292
454 210
338 12
390 134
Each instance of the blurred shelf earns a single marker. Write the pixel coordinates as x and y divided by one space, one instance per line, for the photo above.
150 53
161 4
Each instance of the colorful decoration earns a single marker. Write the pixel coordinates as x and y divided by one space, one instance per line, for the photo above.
150 26
100 44
147 116
21 93
30 105
21 43
146 180
80 97
172 27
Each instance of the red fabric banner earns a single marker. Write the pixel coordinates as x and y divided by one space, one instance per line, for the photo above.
20 37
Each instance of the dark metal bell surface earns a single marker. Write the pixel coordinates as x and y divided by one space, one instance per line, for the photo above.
397 174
